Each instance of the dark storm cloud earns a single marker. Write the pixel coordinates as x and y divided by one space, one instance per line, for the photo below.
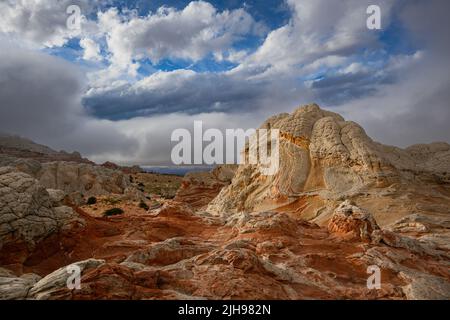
40 98
190 93
341 88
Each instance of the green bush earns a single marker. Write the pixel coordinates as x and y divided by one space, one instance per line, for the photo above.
143 205
112 212
91 200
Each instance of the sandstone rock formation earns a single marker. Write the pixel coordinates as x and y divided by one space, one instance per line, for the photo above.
178 253
352 222
73 177
27 213
325 158
340 205
199 188
32 286
63 171
57 280
13 287
87 179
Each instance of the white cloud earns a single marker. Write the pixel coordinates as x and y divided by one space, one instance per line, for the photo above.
42 23
191 33
91 50
319 30
234 56
416 107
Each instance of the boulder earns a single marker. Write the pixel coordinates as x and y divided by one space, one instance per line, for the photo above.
13 287
352 222
27 212
56 197
89 180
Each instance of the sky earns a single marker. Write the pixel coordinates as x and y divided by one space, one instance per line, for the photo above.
116 87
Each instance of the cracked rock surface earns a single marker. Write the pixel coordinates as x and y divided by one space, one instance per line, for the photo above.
27 212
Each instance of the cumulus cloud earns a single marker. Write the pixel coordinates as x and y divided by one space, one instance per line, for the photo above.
191 33
43 23
91 50
274 75
319 31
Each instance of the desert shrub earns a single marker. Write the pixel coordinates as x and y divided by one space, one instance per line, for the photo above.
111 201
91 200
141 186
155 205
143 205
112 212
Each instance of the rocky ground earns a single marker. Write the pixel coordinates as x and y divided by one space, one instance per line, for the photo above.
340 205
165 185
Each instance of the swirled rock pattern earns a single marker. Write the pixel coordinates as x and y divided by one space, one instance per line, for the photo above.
325 159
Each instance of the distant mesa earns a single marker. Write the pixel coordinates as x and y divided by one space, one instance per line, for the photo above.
18 147
129 170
